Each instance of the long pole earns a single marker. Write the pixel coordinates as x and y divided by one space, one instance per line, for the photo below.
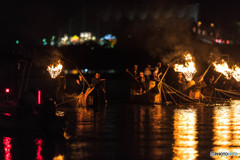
217 78
78 71
206 71
29 72
22 79
132 76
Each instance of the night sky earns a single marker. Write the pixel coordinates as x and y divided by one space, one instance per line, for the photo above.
32 20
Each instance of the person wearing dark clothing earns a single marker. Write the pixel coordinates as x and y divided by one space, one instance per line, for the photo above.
147 75
134 74
160 70
209 90
181 82
97 82
156 75
99 89
135 71
142 82
61 86
81 85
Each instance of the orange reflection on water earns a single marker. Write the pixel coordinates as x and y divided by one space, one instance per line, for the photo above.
157 115
226 130
7 148
185 134
236 124
59 157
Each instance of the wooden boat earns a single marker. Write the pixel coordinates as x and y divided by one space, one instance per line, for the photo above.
151 97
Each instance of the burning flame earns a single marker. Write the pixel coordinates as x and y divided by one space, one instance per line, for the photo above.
223 68
226 71
55 70
236 73
188 69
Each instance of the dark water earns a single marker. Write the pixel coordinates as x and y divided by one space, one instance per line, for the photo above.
184 132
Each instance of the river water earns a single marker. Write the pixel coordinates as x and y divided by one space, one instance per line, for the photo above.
183 132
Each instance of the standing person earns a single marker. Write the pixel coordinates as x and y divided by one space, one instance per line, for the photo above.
156 75
181 82
135 70
194 87
97 82
209 89
160 69
148 74
134 74
99 90
142 82
61 86
81 85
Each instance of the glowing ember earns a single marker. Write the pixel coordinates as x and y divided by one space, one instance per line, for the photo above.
188 69
223 68
55 70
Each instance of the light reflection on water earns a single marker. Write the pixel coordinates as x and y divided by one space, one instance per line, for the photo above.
185 134
7 148
140 132
158 132
39 143
226 130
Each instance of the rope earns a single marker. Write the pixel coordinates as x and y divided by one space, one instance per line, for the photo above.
228 94
164 94
221 90
216 97
179 92
65 102
160 83
170 95
218 93
191 100
78 71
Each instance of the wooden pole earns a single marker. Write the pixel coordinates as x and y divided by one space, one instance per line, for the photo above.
217 78
78 71
206 71
29 72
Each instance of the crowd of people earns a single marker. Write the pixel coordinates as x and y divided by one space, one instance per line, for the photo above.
199 88
140 81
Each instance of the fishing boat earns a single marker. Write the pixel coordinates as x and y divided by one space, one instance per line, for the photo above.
169 95
152 96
